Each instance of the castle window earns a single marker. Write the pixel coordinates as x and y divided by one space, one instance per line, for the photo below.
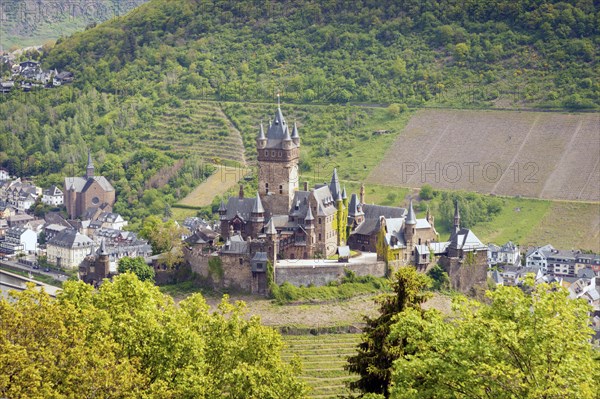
266 153
279 154
319 236
320 223
280 189
241 261
273 154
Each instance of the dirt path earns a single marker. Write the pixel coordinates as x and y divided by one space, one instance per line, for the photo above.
218 183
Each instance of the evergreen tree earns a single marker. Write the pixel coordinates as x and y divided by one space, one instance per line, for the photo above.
376 352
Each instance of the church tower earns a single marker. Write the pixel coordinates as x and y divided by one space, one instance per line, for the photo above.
89 171
278 154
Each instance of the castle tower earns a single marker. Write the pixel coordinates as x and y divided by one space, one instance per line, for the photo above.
409 227
102 262
272 242
89 171
355 213
223 218
309 226
278 156
257 217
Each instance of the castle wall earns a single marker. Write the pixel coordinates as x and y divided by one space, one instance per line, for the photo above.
464 273
237 273
321 273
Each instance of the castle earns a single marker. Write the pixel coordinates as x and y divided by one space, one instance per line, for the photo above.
282 221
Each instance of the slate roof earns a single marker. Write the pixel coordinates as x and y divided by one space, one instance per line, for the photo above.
270 229
334 186
235 245
70 239
240 206
278 131
353 206
53 191
368 227
325 201
467 240
80 184
390 212
422 224
258 207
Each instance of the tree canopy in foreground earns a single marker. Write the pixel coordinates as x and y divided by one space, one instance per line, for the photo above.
127 340
521 345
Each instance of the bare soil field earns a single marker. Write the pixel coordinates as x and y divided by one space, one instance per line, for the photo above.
532 154
320 315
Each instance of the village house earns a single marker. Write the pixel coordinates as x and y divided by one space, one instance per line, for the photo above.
508 254
53 196
68 249
19 240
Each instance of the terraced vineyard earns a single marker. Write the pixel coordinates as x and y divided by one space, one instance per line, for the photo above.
199 128
323 358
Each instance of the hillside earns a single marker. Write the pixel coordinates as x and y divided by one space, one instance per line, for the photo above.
485 54
531 154
36 22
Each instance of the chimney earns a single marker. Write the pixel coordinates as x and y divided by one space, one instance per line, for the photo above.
305 186
241 194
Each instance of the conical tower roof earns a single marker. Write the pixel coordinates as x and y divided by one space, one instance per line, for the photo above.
270 230
258 207
410 218
102 250
295 134
334 186
309 215
222 207
261 132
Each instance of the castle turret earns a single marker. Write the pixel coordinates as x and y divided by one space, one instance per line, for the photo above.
309 226
272 241
456 217
409 226
296 136
257 217
102 262
261 140
334 186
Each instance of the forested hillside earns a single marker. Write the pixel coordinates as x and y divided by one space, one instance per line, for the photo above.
485 53
36 22
161 84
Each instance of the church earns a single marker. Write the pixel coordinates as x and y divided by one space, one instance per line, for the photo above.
90 191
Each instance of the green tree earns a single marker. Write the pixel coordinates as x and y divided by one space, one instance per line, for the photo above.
136 266
165 238
426 192
520 345
128 340
439 278
377 352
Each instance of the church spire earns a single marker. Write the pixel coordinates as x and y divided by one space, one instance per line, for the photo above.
89 171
